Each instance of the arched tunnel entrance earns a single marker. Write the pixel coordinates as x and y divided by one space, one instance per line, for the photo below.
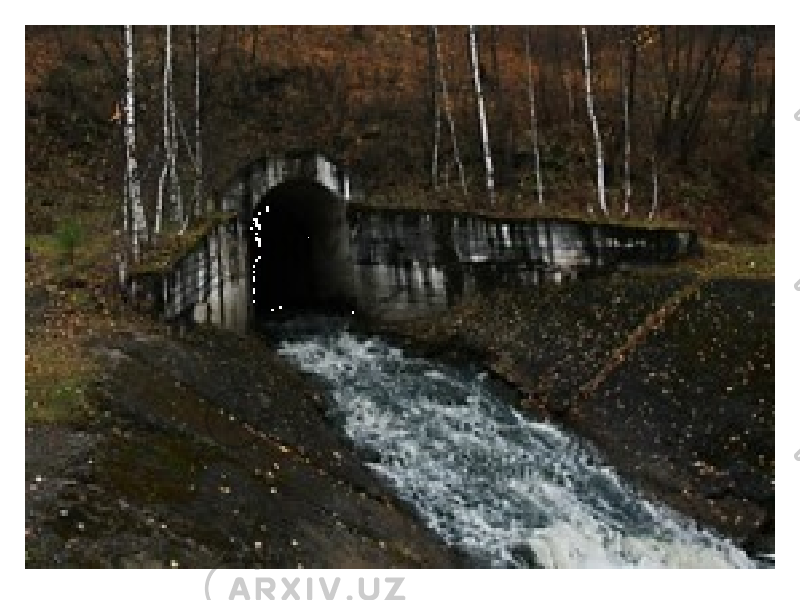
300 252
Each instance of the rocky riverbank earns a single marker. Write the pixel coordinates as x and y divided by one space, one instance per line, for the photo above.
208 451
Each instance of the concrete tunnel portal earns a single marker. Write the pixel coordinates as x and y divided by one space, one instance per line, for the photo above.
299 252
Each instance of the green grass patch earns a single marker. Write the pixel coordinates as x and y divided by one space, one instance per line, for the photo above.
69 235
60 400
43 245
57 380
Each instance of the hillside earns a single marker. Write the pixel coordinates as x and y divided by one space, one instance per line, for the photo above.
137 430
363 96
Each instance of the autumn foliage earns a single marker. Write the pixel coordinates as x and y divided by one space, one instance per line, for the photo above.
363 95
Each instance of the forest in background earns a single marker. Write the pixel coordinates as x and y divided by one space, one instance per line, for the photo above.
701 103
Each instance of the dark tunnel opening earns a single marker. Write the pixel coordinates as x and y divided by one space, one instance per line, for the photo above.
299 252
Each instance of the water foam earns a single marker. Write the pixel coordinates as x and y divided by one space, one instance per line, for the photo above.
514 492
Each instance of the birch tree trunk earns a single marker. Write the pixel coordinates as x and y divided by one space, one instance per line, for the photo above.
534 128
138 225
166 131
601 188
126 195
450 121
487 153
123 242
198 155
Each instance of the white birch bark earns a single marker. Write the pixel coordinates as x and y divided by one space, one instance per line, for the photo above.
126 191
476 76
122 240
198 156
534 128
451 123
601 188
138 225
166 131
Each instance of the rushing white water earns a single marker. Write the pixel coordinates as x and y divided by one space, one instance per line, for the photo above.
507 489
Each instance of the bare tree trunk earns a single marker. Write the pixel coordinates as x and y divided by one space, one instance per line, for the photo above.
534 128
166 132
629 100
654 205
654 156
670 68
747 48
433 68
626 127
493 35
487 154
451 123
693 116
124 241
627 207
181 215
503 150
198 155
570 104
172 145
255 31
138 225
763 139
601 188
169 141
571 108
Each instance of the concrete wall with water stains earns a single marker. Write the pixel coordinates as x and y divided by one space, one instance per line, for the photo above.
409 262
386 263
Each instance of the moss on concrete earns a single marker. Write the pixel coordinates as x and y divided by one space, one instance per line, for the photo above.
172 248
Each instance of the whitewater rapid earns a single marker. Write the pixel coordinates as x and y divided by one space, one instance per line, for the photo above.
512 491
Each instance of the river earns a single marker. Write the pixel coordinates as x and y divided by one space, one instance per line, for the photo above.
509 490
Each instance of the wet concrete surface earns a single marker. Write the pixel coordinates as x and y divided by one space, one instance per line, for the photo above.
687 415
